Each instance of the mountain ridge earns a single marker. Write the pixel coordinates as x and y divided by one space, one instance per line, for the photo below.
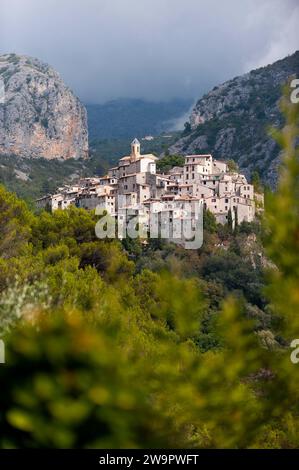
232 120
126 118
40 116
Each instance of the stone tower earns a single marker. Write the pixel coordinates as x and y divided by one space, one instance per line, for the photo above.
135 149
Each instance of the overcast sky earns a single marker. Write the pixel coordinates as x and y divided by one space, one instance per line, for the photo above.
153 49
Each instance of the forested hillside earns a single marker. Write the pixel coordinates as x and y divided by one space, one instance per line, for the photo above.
124 345
33 178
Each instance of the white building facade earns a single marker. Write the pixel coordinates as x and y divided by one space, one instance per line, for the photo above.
135 184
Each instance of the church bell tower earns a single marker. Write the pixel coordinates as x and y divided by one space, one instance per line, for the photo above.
135 149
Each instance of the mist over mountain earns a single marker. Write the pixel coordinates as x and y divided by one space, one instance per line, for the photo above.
127 118
40 116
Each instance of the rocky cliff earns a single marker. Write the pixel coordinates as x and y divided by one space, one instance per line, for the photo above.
232 120
39 115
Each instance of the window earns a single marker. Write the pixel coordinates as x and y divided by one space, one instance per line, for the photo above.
226 200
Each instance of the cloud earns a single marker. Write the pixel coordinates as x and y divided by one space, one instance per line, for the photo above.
285 19
153 49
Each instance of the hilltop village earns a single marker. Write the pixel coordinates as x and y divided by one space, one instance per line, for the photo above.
135 184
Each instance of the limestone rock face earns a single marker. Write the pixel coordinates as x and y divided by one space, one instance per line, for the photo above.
232 121
39 115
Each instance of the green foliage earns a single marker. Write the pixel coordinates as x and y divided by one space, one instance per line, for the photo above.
71 226
235 275
15 221
209 222
41 176
73 387
168 162
256 181
282 223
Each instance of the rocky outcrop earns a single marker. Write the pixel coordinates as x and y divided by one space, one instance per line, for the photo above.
39 115
232 120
